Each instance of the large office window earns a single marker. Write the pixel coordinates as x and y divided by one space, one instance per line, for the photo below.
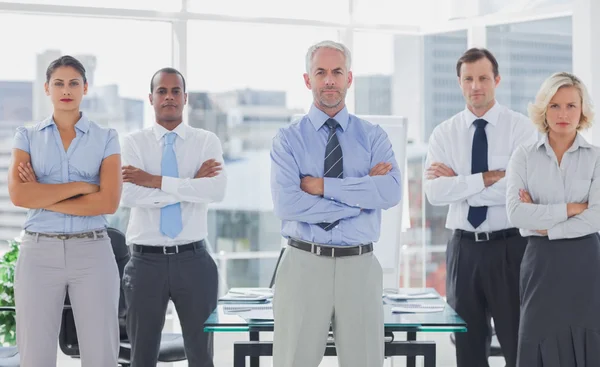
119 79
528 53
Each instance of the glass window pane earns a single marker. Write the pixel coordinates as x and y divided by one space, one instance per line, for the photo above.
514 6
329 11
527 54
373 64
442 99
119 79
157 5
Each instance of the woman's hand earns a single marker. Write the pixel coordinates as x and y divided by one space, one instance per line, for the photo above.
26 172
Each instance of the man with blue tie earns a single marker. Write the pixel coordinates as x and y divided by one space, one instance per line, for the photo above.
331 175
171 172
466 160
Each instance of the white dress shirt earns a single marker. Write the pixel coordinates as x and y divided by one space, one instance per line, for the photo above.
451 144
143 149
551 186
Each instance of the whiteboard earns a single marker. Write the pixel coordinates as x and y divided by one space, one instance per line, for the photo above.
396 220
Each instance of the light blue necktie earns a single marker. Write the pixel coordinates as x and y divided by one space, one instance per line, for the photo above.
170 215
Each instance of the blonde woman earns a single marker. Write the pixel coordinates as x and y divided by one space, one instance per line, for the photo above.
553 196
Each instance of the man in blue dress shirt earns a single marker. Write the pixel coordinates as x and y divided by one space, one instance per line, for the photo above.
332 173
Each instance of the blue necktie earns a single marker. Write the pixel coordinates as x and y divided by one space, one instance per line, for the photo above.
479 163
170 215
334 164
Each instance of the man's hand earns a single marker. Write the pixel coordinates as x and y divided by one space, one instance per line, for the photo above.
491 177
209 168
543 232
138 177
438 170
380 169
313 185
26 172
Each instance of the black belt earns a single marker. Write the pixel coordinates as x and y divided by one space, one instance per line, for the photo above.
331 251
488 236
168 250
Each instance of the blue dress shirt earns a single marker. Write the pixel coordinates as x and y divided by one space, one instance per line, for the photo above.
52 165
356 200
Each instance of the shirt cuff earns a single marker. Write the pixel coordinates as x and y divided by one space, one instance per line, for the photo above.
170 185
332 188
475 181
557 232
560 212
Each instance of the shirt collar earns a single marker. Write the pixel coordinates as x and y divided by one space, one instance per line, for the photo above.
491 116
318 117
82 125
579 142
160 131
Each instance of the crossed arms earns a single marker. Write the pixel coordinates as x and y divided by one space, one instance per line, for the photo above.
73 198
315 199
144 190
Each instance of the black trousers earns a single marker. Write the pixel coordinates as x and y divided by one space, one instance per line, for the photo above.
190 279
482 282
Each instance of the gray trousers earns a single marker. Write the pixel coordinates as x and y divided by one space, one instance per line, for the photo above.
46 269
315 292
190 279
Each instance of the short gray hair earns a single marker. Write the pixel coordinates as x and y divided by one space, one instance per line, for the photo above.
537 110
328 44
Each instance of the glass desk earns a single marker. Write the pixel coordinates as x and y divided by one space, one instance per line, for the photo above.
411 323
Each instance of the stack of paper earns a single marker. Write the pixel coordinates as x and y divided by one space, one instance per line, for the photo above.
418 307
251 311
245 295
401 296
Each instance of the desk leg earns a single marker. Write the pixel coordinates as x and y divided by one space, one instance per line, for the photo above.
254 361
239 357
430 357
411 361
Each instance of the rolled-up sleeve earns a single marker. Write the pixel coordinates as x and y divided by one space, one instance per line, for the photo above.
112 144
21 140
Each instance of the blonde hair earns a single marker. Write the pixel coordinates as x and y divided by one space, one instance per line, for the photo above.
328 44
537 110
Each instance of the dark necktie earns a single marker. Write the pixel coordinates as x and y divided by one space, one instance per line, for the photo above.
479 163
334 166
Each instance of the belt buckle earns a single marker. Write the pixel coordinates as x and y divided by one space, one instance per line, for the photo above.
170 253
487 236
63 237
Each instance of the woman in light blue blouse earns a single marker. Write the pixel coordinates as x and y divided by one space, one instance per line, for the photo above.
67 171
553 196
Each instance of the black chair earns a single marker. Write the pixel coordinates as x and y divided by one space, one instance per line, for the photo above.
171 345
9 356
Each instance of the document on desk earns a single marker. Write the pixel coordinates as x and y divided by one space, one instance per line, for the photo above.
418 308
402 296
243 295
251 311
